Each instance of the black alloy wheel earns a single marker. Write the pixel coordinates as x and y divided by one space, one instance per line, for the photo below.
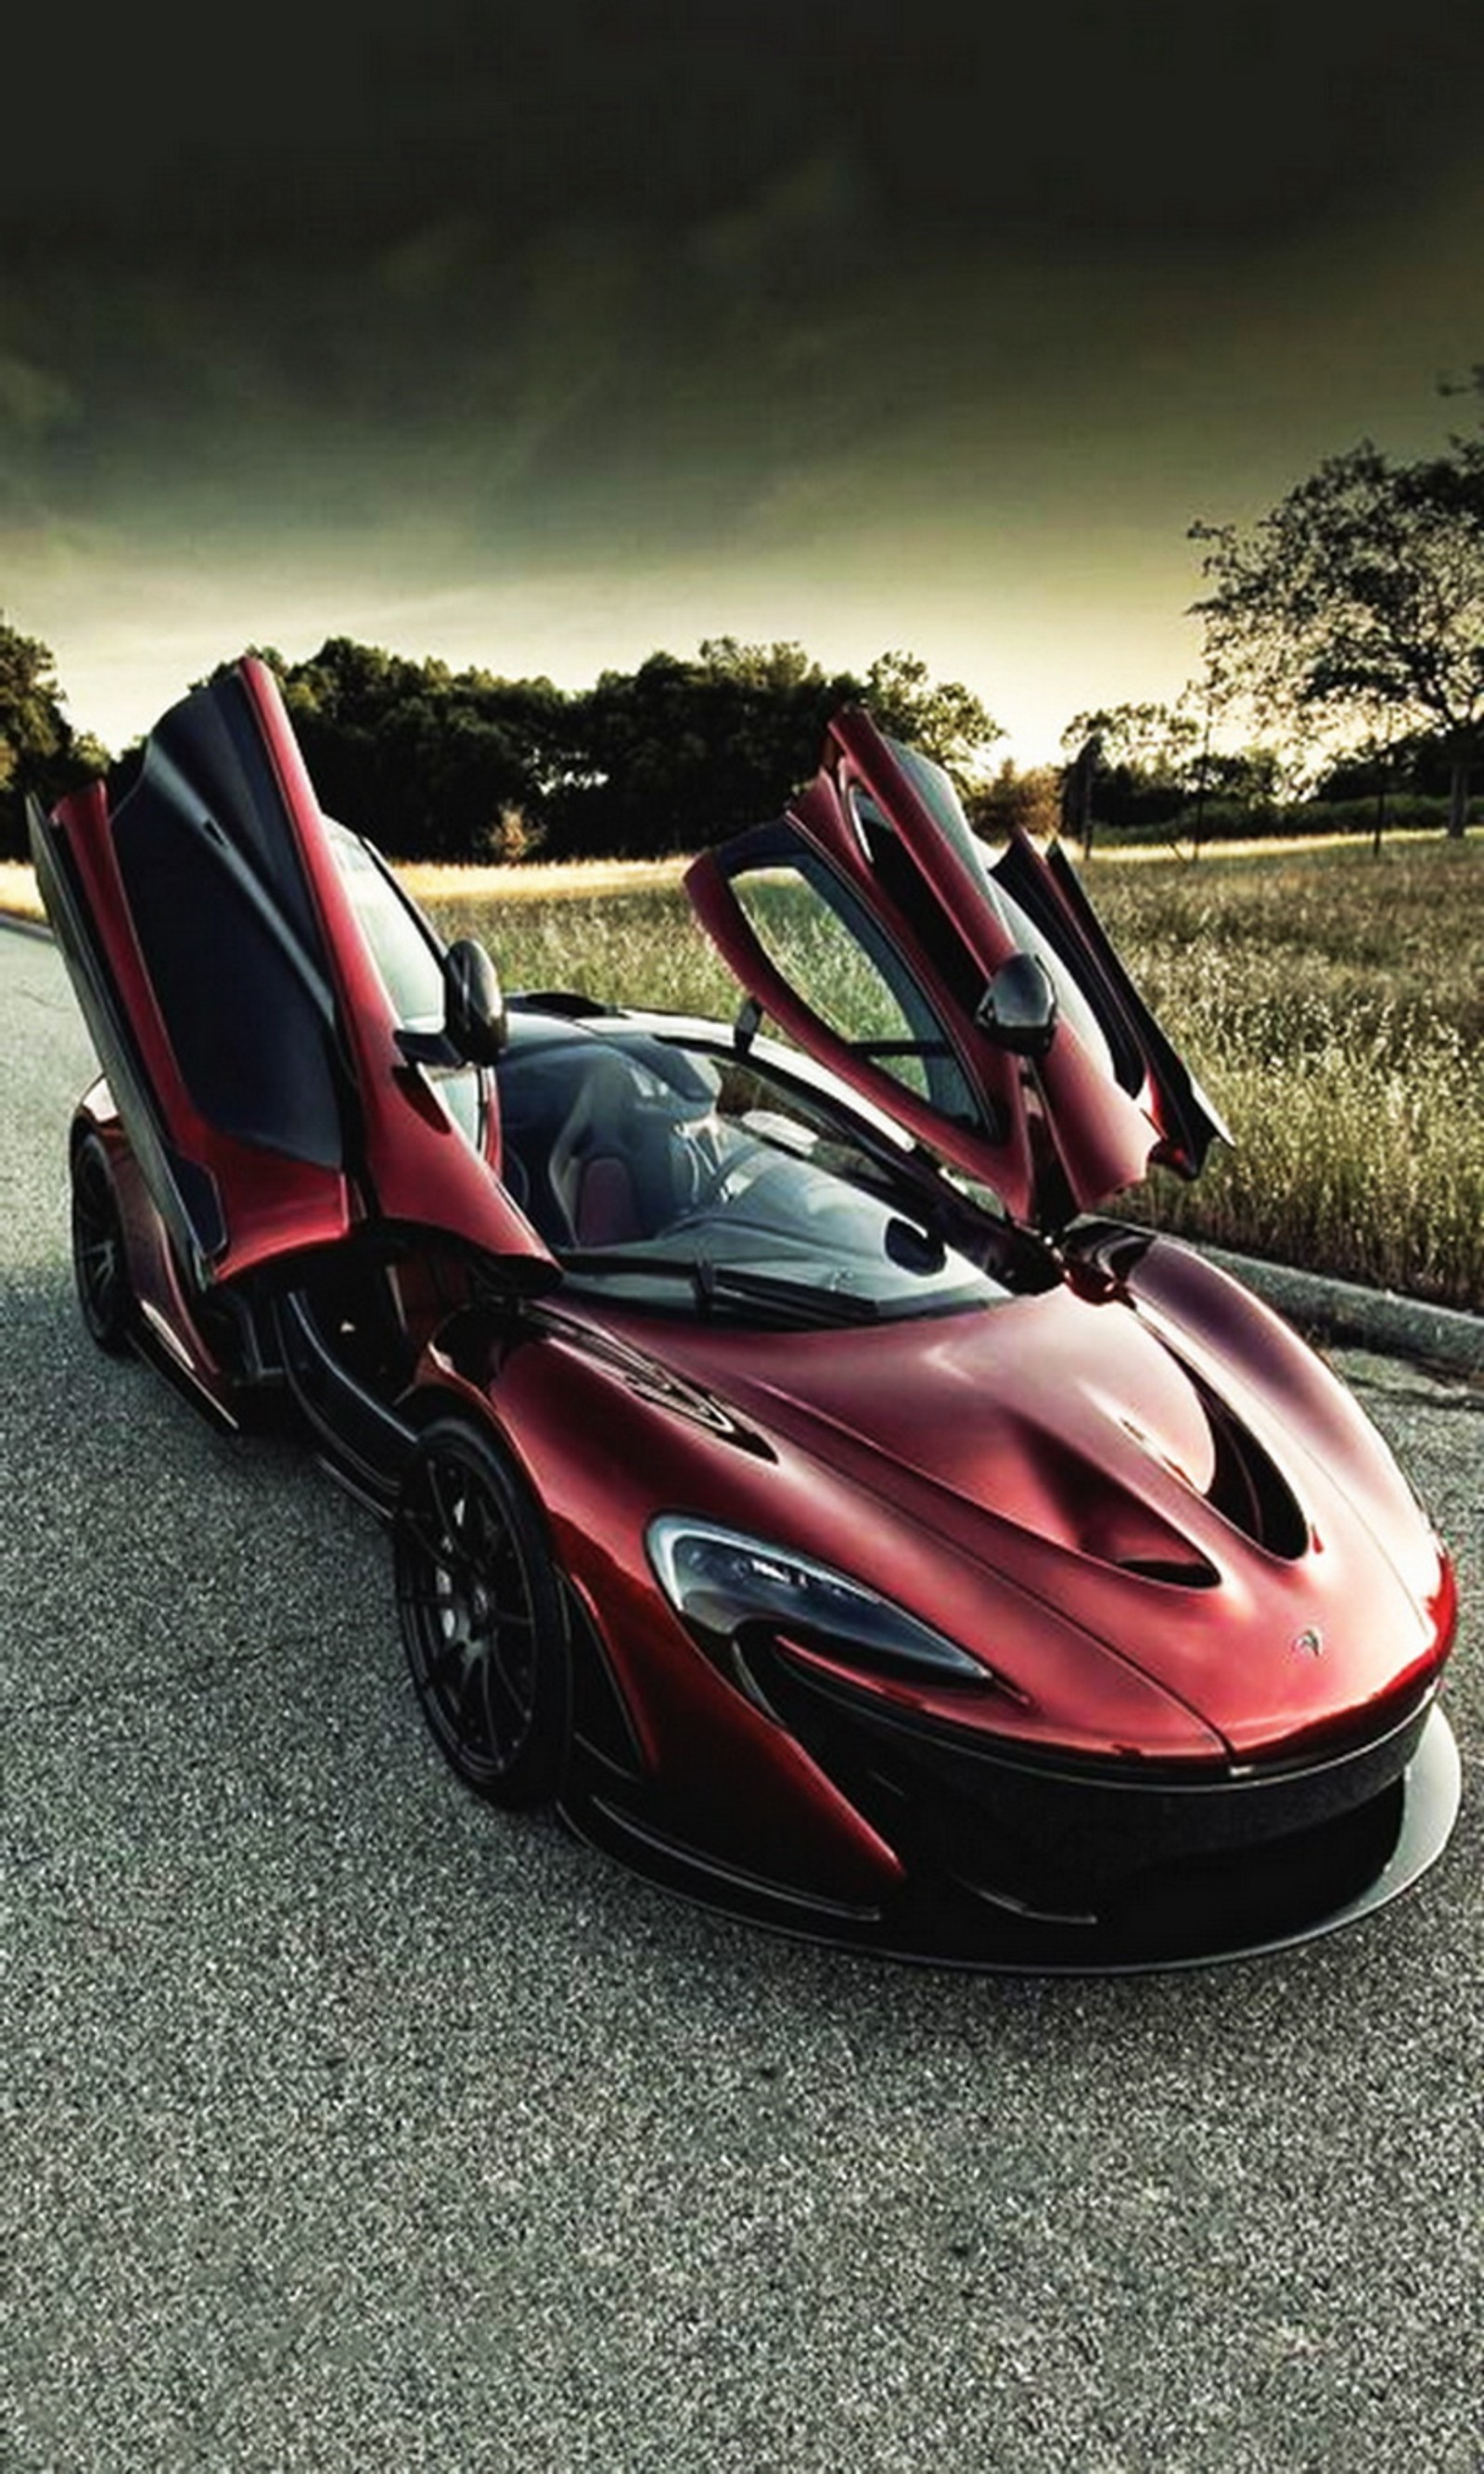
482 1617
99 1263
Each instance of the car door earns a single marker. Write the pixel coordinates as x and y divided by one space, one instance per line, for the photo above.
869 923
256 1052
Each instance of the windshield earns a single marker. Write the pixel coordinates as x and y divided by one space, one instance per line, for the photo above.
707 1182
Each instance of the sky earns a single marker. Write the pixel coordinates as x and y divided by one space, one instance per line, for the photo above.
541 336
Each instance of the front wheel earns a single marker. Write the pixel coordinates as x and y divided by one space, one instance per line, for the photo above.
482 1617
99 1263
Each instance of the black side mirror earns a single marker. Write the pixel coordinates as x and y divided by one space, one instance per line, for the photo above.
1018 1008
473 1013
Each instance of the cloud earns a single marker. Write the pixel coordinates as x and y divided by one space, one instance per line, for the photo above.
437 261
32 400
797 223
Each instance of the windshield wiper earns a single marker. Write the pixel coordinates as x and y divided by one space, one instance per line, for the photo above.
807 1299
719 1284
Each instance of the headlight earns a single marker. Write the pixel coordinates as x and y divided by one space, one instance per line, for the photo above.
721 1582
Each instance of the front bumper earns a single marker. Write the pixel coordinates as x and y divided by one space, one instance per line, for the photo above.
1127 1865
1053 1868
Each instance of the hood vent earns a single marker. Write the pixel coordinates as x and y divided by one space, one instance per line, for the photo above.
1175 1572
1248 1487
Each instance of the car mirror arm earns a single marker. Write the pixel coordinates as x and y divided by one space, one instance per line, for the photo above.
431 1048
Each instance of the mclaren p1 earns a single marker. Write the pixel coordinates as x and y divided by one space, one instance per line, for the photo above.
791 1471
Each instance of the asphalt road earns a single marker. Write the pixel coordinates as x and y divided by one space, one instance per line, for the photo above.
345 2124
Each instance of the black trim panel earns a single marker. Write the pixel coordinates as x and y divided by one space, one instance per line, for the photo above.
355 1426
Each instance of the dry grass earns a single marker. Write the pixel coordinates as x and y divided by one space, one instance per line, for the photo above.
19 893
1331 1002
1335 1006
538 880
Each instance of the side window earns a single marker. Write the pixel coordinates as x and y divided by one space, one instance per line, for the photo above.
412 972
1077 1004
405 960
250 1040
1074 1005
938 795
837 961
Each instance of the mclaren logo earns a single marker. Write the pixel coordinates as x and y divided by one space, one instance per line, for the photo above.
1308 1643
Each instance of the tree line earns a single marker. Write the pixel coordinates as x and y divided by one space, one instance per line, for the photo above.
1347 624
41 753
443 764
438 764
1345 627
1355 607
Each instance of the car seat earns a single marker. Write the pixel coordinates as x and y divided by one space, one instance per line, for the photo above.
591 1160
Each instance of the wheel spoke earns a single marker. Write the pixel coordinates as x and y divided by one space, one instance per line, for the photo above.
505 1582
446 1675
473 1713
476 1622
511 1651
100 1264
448 1490
441 1526
428 1595
425 1530
507 1702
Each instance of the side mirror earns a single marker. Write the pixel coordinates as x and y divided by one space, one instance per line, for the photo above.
1018 1008
473 1013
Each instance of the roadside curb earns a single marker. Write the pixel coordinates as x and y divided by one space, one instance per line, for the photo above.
1342 1310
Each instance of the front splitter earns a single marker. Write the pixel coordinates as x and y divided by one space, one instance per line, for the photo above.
1275 1899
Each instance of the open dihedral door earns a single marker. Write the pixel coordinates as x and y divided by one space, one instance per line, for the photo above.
869 923
247 1034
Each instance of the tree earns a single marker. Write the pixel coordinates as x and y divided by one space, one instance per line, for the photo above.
680 753
437 764
1016 799
1361 599
40 751
1153 739
946 719
1127 764
432 762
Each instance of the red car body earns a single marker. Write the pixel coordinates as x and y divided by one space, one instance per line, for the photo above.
789 1472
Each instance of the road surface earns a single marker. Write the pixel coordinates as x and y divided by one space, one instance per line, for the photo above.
347 2125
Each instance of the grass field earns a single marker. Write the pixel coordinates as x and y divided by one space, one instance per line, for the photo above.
1331 1002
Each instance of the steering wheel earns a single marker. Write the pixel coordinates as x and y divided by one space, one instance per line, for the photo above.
711 1180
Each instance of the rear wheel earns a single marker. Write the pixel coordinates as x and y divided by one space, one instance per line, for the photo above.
482 1617
99 1263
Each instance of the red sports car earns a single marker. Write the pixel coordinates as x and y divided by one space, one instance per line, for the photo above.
787 1471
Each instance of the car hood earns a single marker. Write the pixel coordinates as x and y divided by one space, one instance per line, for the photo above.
1190 1518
